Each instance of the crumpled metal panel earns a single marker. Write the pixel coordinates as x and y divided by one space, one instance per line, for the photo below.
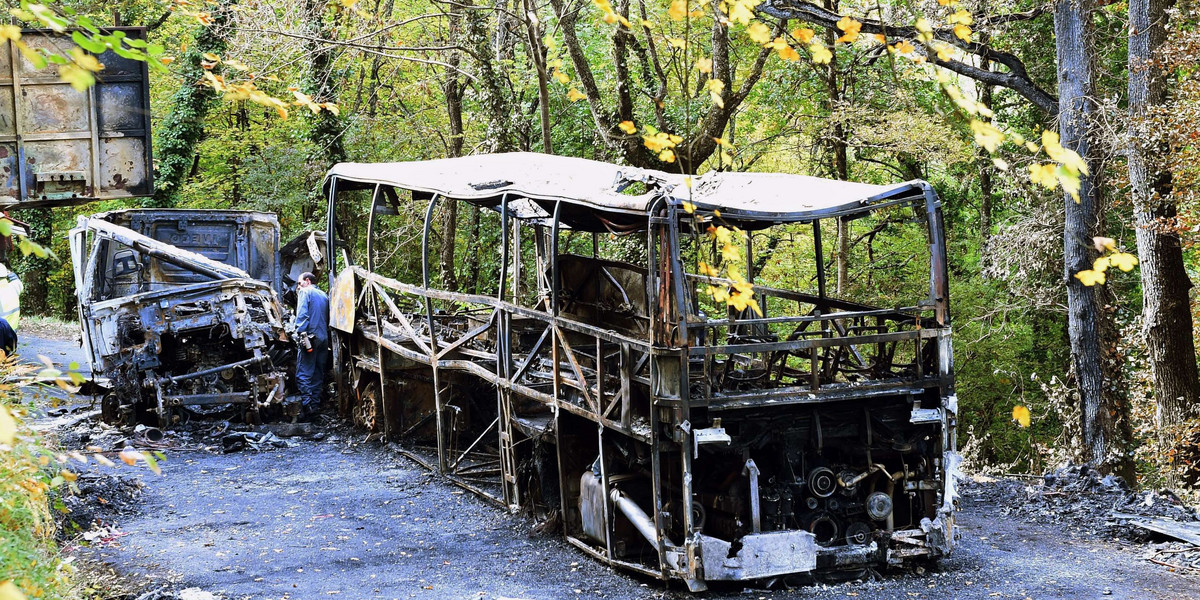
761 555
60 146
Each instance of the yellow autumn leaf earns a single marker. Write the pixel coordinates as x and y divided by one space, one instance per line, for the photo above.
10 32
10 591
575 95
742 11
759 32
166 60
1000 163
1043 175
628 127
716 87
905 47
68 476
210 57
1104 243
820 54
129 457
962 17
561 77
1020 414
676 42
707 271
1100 264
803 34
678 10
947 2
667 156
945 53
987 135
787 52
349 3
850 29
962 32
704 65
8 427
100 458
689 207
882 39
1064 156
80 79
925 30
1089 277
1123 261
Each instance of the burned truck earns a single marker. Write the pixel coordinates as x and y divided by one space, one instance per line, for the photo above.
660 365
179 311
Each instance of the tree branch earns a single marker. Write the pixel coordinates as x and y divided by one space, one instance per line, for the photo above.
1017 78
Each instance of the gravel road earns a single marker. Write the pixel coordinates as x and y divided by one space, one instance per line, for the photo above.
350 518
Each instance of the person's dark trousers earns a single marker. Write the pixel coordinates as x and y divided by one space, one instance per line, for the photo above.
310 376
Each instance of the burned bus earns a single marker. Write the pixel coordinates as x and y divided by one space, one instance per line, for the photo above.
587 352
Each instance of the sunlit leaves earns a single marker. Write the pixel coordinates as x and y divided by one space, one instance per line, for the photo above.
574 95
8 427
10 591
987 135
678 10
628 127
704 64
1020 414
1110 257
850 29
820 54
740 11
716 88
961 20
803 34
759 32
924 30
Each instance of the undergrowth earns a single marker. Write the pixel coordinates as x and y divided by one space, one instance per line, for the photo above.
30 565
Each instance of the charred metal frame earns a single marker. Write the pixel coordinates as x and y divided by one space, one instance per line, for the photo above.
654 403
183 301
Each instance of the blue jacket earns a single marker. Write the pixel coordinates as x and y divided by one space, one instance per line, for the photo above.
312 313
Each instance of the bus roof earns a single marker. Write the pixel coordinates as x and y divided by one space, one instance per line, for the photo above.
596 196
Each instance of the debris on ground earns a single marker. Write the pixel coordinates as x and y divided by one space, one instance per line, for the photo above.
1078 498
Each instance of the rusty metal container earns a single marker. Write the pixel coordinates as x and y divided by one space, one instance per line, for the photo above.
60 146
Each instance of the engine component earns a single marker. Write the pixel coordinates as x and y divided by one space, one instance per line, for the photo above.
858 533
822 483
879 506
825 529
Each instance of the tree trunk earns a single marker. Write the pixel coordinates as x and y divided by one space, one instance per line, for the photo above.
837 149
1103 409
1166 311
454 94
325 128
986 186
183 128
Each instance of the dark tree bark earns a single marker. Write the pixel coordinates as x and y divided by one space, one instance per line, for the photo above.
183 128
454 95
986 186
1166 311
1103 406
837 145
325 128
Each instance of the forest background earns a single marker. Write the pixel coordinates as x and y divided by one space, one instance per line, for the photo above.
253 101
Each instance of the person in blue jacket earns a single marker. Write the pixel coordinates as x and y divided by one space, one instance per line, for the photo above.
312 319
